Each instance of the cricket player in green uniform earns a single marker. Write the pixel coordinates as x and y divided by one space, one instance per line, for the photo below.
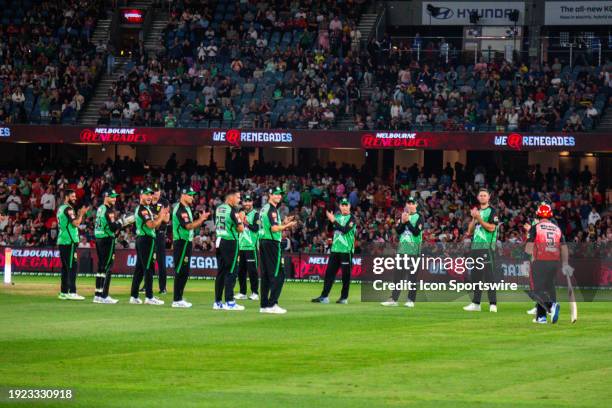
270 252
341 256
229 225
105 229
146 224
157 203
483 229
67 241
410 231
183 226
247 244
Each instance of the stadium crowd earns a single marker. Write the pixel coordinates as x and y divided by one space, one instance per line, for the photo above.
427 93
48 63
30 198
300 65
257 64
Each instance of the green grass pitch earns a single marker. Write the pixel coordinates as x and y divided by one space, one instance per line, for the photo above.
358 355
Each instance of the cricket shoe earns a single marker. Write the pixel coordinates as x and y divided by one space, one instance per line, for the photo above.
218 306
181 304
320 299
62 296
135 301
472 307
554 312
533 311
253 296
98 299
276 309
233 306
264 310
409 303
493 308
389 302
342 301
162 292
154 301
108 301
239 296
540 320
74 296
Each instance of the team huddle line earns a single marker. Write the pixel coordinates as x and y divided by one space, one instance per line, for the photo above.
249 240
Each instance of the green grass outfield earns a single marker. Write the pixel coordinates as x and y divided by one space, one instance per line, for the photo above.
358 355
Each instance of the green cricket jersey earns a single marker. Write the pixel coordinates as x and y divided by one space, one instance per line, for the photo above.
181 216
226 222
482 238
411 235
248 238
269 216
143 214
344 234
105 226
68 233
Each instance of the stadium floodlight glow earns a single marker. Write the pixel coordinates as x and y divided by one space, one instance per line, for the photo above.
433 10
7 266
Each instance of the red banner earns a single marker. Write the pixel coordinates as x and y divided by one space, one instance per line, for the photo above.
589 142
299 266
306 266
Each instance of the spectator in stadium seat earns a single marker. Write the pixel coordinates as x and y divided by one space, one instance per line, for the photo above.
170 120
594 216
18 97
293 198
145 100
229 114
591 112
13 202
573 123
512 117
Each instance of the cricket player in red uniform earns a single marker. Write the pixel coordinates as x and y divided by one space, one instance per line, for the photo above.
547 248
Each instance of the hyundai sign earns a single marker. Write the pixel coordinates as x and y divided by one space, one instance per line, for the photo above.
458 13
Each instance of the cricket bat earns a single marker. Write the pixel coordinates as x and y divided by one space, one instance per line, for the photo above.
572 301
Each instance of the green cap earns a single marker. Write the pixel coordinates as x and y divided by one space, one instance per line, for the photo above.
411 200
110 193
146 190
276 191
247 197
344 201
156 187
189 191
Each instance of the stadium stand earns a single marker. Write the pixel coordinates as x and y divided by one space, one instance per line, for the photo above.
31 197
230 63
430 95
48 64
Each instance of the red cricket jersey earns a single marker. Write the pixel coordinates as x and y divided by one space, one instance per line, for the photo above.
547 239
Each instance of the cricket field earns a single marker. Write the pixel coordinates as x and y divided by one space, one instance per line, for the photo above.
355 355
